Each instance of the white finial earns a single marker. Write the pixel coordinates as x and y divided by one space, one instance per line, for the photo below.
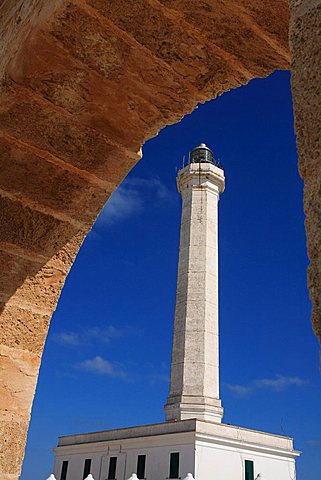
133 477
189 476
51 477
90 477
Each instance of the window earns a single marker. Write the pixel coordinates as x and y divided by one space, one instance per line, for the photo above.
87 468
141 461
112 468
249 470
64 469
174 465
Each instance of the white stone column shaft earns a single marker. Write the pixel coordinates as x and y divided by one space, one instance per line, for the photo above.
194 385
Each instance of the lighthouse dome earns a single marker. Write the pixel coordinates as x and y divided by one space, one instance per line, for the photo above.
201 153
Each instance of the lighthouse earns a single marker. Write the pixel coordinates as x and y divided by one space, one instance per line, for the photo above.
194 382
193 442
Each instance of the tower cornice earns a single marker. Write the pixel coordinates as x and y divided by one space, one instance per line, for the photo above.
201 174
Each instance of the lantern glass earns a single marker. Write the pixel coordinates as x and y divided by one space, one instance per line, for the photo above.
201 154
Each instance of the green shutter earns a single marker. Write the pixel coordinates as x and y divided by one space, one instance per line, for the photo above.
87 468
174 465
141 461
112 468
64 469
249 470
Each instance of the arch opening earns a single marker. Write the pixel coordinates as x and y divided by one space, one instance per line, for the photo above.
112 330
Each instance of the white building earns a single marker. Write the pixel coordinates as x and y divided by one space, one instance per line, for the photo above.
193 439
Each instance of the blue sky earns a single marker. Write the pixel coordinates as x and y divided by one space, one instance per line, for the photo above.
107 356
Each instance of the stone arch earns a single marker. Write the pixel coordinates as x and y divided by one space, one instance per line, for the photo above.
84 83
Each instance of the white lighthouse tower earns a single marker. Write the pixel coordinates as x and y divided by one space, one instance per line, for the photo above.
193 442
194 384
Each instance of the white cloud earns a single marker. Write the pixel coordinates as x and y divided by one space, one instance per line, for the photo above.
67 338
131 372
314 442
94 334
128 199
277 384
105 334
239 390
122 204
160 190
100 366
154 378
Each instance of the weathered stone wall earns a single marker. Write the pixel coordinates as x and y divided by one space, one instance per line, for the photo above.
305 39
84 84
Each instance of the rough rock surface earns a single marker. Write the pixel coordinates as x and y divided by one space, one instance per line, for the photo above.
305 38
84 84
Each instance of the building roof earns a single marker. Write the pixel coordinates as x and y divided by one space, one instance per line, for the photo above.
213 432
